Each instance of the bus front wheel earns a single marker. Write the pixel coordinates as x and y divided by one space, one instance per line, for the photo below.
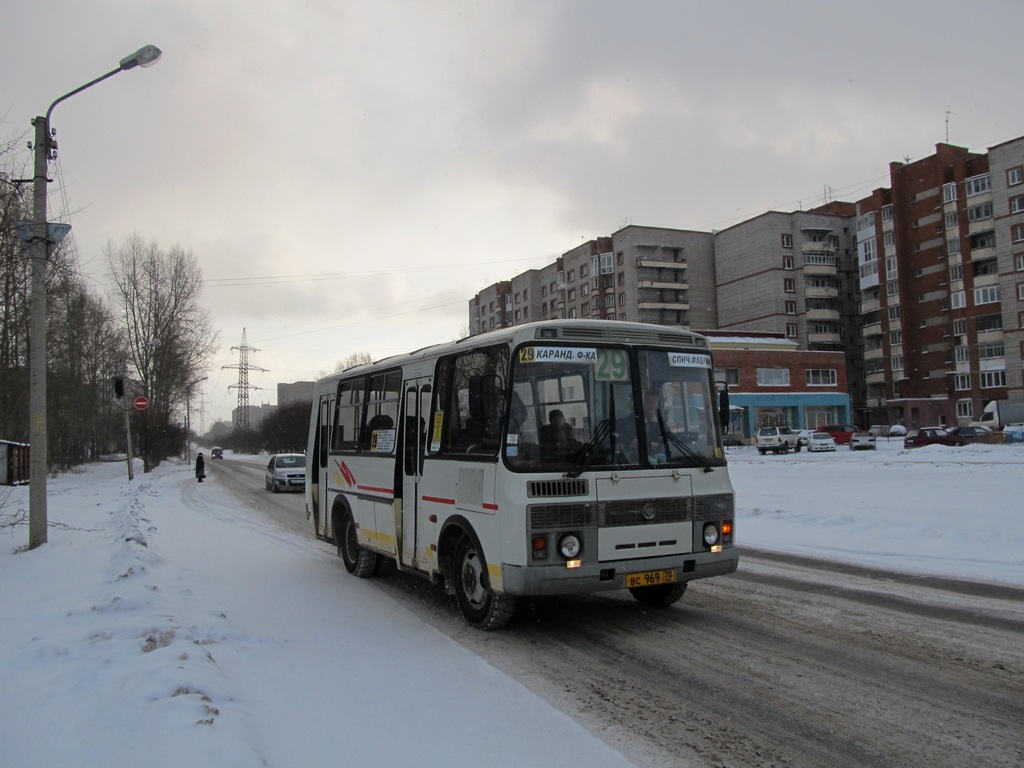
482 608
358 561
660 595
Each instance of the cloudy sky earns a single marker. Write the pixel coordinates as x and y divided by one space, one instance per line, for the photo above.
349 173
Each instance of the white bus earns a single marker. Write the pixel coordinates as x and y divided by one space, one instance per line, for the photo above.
551 458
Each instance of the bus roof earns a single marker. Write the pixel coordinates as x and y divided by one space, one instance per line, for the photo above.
575 330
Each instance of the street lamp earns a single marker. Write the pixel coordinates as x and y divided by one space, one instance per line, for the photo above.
42 238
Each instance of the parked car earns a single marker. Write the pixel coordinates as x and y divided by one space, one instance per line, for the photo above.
776 440
729 440
286 472
972 434
217 452
821 441
841 433
803 435
930 436
862 441
888 430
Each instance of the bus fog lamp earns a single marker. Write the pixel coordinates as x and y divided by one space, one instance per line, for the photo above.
710 534
570 546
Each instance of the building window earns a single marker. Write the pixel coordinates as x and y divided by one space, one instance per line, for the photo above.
960 327
584 289
790 330
730 376
949 192
787 262
957 300
789 285
895 338
583 270
963 354
621 278
773 377
572 294
896 362
952 220
606 263
787 240
992 379
894 311
1017 204
977 185
790 307
991 351
979 212
962 382
892 288
619 258
622 299
1014 176
571 276
821 377
965 409
987 295
956 271
1020 291
1016 233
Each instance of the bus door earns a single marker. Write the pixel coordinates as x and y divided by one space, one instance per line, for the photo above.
316 491
414 441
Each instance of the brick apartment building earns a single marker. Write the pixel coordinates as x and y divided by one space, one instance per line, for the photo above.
941 257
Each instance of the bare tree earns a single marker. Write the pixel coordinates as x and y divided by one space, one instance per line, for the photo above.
169 337
353 358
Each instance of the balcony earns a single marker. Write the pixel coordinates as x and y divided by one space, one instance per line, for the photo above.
660 284
873 354
820 270
824 338
678 306
821 292
869 306
645 261
875 377
817 247
823 315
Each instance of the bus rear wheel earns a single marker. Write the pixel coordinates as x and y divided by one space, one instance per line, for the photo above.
660 595
482 608
358 561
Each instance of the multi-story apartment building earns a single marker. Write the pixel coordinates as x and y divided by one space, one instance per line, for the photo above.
1006 171
793 274
646 274
930 276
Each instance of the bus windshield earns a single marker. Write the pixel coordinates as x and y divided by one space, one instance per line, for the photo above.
577 407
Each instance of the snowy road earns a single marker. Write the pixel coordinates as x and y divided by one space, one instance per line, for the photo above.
788 662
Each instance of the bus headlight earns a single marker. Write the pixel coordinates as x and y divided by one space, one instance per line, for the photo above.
710 534
569 546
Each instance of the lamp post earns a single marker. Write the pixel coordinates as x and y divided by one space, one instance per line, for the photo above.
41 239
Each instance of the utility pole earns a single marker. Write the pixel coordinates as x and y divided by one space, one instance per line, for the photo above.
243 387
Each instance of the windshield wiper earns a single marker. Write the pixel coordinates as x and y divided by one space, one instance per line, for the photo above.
671 438
583 457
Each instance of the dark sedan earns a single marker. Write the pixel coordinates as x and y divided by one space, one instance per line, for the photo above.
972 434
930 436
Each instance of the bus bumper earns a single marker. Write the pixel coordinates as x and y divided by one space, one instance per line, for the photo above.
600 577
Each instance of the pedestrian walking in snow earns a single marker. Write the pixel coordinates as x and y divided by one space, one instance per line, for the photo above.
200 468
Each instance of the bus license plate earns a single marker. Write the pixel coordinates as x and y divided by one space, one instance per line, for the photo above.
649 578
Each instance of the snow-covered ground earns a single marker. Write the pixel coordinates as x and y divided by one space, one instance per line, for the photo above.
161 626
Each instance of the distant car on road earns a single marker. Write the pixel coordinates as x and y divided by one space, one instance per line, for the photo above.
286 472
930 436
862 441
821 441
972 434
217 452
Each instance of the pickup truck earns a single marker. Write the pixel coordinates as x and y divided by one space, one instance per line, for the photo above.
776 440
